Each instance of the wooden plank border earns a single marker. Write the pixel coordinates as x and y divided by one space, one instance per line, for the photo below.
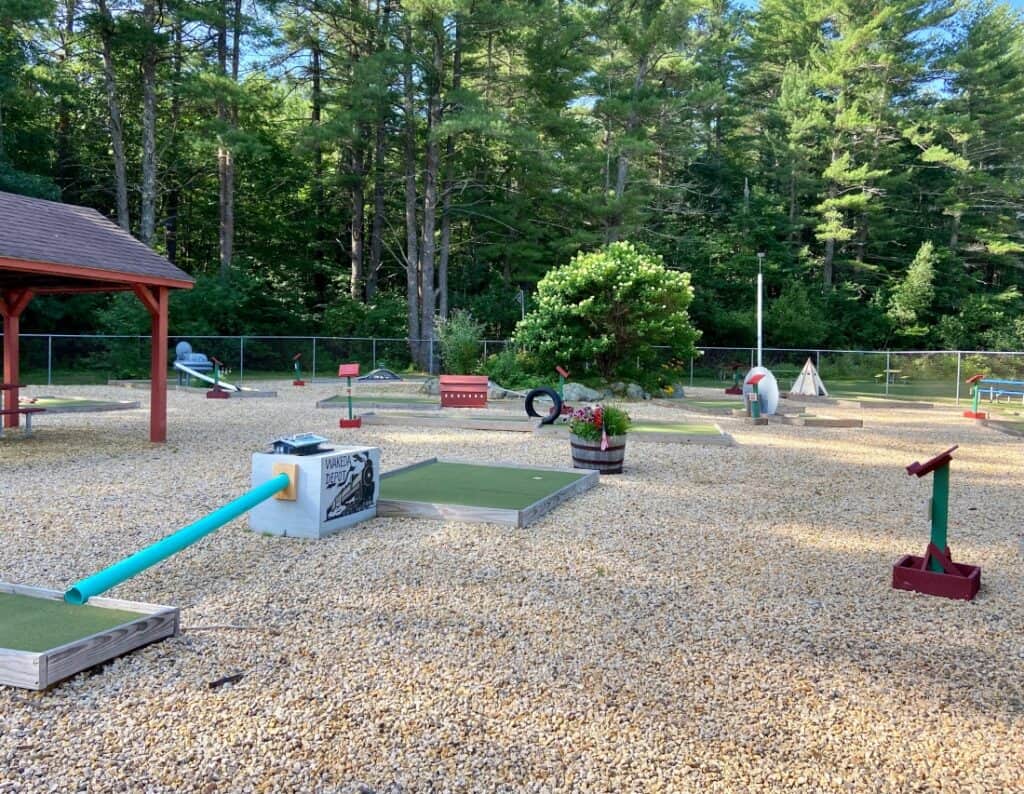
40 670
723 439
820 421
331 402
108 405
491 515
451 422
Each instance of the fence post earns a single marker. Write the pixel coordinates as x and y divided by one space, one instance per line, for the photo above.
958 378
691 372
373 342
49 360
885 375
430 361
312 377
817 361
241 360
485 350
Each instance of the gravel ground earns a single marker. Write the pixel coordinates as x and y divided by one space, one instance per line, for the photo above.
715 619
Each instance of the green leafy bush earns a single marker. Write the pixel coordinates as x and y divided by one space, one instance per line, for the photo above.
589 421
508 368
460 339
611 310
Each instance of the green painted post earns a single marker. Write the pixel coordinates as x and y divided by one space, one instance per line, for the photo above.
940 513
348 378
975 396
755 403
216 374
298 370
561 386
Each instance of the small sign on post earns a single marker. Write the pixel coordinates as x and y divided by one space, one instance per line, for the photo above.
349 371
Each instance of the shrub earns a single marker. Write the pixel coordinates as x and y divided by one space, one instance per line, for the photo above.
460 339
589 422
611 309
508 368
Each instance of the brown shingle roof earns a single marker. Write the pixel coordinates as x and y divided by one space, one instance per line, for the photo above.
77 239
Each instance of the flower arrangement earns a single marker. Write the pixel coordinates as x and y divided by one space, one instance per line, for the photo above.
598 423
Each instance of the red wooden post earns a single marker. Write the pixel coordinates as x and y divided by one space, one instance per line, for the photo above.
12 304
155 301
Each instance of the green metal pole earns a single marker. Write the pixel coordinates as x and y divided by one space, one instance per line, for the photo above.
216 375
110 577
940 512
755 404
975 396
561 386
349 379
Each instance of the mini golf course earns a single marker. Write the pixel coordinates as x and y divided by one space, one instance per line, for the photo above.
809 420
662 433
411 402
455 421
68 405
716 406
44 639
461 491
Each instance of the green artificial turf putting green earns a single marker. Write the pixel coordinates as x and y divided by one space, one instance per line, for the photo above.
476 486
675 427
35 624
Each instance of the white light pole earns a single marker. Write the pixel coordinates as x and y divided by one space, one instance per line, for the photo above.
760 282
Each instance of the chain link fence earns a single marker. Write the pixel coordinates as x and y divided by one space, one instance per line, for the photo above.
96 358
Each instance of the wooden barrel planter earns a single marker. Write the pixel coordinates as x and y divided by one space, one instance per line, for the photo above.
589 455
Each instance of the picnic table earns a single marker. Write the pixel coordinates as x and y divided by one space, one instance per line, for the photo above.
891 375
11 409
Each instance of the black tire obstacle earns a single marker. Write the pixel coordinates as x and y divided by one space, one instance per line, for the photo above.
556 410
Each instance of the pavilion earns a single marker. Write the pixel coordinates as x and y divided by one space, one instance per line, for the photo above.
52 248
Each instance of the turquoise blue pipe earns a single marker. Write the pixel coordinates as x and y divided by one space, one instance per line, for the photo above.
121 571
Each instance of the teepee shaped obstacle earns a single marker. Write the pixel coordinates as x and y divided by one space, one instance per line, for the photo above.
808 382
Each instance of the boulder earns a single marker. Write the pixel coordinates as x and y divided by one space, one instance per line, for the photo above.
430 386
636 392
618 388
675 391
577 392
496 391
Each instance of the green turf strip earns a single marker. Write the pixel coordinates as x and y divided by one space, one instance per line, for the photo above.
477 486
35 624
737 403
675 427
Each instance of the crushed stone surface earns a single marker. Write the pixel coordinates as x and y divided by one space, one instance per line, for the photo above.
715 619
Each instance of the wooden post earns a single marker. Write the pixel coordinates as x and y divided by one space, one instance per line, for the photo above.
12 304
155 301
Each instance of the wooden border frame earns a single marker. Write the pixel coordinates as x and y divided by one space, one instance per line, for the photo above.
369 403
452 422
723 439
43 669
820 421
492 515
111 405
910 405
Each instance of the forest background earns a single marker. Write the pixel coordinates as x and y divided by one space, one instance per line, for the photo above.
344 167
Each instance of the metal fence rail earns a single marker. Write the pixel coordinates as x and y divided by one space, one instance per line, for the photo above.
95 358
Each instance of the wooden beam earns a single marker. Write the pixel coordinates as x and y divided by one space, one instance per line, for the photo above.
12 304
158 370
145 294
90 273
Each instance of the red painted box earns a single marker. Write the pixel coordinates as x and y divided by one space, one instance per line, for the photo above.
347 423
217 394
956 581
